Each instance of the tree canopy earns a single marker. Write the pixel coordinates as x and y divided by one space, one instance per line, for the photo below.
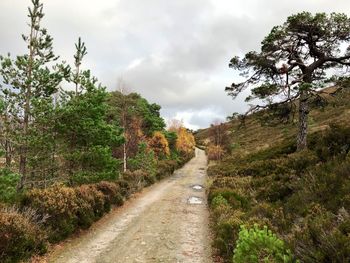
294 61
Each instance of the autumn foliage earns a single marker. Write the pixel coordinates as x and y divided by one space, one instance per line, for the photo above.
159 145
185 142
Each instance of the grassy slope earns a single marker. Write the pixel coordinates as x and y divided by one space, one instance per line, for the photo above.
254 136
303 197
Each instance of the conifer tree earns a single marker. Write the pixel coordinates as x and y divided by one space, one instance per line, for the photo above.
27 78
293 63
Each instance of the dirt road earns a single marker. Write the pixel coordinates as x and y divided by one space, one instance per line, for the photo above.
168 222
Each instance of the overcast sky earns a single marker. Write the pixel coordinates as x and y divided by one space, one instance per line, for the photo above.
172 52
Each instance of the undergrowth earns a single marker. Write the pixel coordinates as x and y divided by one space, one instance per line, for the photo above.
302 197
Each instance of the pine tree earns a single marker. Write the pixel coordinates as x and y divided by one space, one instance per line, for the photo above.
28 78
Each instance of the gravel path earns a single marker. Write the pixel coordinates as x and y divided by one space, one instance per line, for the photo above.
167 222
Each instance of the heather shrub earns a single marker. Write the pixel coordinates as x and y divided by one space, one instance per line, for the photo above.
322 236
136 180
60 203
227 224
111 194
20 235
215 152
91 205
274 188
279 185
165 168
335 142
126 188
234 199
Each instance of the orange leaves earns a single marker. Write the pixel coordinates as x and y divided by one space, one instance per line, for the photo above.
159 144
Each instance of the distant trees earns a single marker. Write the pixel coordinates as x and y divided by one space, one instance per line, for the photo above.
138 118
293 62
219 141
59 124
63 140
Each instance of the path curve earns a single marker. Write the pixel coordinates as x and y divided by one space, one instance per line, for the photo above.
160 225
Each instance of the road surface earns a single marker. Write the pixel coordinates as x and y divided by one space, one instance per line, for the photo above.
167 222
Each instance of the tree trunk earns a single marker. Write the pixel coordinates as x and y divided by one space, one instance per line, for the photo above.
28 95
22 168
8 155
303 121
124 157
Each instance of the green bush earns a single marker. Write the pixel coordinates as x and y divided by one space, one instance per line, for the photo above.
219 200
256 245
144 160
93 165
8 184
20 235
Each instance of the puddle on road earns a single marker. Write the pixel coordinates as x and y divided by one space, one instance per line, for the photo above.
197 187
194 200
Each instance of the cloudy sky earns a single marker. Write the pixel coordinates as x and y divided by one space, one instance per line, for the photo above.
173 52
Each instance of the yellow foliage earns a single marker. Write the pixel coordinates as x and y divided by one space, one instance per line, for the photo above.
185 142
215 152
159 144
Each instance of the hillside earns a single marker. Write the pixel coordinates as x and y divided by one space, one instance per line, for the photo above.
261 181
257 135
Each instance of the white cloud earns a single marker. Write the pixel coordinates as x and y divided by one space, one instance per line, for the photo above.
174 53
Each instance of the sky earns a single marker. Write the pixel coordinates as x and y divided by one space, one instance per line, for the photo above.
173 52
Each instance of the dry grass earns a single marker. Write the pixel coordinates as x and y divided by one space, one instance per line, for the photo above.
255 136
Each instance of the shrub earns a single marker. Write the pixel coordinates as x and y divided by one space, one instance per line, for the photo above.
8 184
260 245
233 198
144 160
91 205
215 152
226 227
111 194
20 235
219 200
165 168
126 189
335 142
322 236
136 180
93 165
60 204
